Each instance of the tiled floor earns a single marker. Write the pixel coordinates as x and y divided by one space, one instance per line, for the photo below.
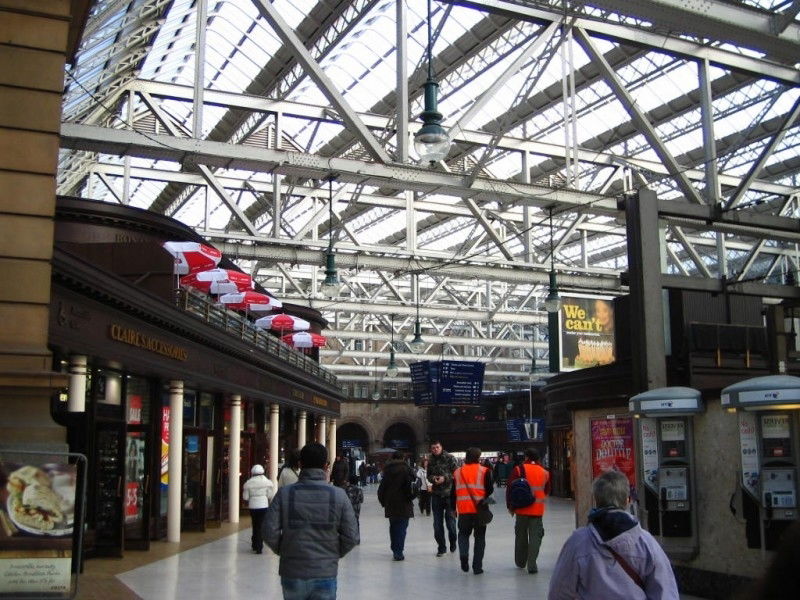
225 568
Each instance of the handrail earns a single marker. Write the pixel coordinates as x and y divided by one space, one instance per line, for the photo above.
236 325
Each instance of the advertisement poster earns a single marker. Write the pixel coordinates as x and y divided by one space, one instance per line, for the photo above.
37 523
587 332
612 447
164 445
748 442
650 457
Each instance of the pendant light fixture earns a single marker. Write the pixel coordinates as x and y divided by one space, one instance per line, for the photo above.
553 301
391 369
330 287
417 344
431 141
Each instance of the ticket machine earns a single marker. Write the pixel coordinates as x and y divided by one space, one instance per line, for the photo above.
768 412
666 471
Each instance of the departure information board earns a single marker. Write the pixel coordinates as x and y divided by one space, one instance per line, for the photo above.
448 382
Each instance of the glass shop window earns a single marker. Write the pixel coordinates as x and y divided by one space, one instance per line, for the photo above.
137 400
205 411
189 408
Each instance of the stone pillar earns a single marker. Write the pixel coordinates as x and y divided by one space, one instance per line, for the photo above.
76 401
274 429
233 458
332 441
321 435
301 428
33 47
175 465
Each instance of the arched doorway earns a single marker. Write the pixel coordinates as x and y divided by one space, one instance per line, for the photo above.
400 436
352 442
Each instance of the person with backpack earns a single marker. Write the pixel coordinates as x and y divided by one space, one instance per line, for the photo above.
528 486
473 484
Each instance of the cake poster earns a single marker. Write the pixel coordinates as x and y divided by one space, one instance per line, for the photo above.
587 332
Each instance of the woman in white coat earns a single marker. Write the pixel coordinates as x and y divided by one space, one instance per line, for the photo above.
258 492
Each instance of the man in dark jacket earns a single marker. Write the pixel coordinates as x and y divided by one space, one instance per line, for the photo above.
310 525
440 473
395 498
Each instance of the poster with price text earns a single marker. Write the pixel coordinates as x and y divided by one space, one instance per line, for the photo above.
612 447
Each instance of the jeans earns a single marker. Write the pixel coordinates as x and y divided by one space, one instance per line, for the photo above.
309 589
397 535
443 512
528 534
257 517
424 502
467 524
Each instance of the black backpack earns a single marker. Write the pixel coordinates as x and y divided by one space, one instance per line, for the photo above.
520 494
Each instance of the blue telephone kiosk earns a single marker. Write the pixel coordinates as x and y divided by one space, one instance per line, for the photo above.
767 410
666 470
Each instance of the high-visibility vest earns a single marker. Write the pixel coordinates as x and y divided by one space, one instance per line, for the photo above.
537 477
469 484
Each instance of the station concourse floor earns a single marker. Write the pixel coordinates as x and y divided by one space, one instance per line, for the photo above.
219 564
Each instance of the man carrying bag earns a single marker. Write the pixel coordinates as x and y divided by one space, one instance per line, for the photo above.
473 483
528 486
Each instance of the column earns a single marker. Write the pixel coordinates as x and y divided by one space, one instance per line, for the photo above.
301 428
175 467
76 401
233 458
274 428
332 441
321 431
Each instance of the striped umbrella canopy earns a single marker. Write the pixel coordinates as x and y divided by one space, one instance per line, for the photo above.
283 322
219 281
250 301
304 339
192 257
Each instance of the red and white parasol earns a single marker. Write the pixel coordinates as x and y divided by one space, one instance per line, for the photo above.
192 257
304 339
250 301
283 322
219 281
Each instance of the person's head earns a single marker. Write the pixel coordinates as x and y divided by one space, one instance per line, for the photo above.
314 456
603 314
424 462
257 470
532 454
611 489
293 459
436 447
397 455
473 455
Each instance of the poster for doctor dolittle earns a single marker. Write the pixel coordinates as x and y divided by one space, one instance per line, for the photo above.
587 332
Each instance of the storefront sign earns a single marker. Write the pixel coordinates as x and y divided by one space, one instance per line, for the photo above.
612 447
38 523
587 332
136 338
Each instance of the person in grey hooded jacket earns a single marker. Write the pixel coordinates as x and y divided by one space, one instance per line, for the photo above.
591 562
310 525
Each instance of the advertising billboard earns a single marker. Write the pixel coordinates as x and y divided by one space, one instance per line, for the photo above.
587 332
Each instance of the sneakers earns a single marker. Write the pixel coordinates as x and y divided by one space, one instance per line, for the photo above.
465 564
477 570
440 553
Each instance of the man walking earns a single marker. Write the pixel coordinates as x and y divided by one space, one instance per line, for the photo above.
310 525
528 528
473 486
441 466
394 496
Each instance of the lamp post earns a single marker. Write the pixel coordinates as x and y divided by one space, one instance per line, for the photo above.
330 287
553 305
391 369
431 141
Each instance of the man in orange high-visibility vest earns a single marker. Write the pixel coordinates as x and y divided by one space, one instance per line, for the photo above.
473 484
528 529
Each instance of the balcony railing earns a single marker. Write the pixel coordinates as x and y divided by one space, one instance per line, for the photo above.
234 324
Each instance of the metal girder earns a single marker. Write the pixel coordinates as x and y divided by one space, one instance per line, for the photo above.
487 226
659 42
698 261
455 340
676 171
313 70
